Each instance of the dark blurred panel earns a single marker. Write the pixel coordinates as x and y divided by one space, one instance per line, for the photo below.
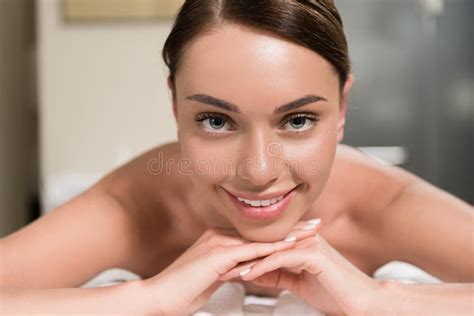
414 84
455 89
18 116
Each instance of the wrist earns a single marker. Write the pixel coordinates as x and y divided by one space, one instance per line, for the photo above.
385 294
140 298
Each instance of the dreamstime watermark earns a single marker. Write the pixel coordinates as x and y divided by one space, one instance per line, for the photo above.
257 166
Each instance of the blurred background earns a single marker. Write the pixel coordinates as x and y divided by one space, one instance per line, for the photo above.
83 90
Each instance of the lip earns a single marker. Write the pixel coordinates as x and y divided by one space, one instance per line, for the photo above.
268 196
263 212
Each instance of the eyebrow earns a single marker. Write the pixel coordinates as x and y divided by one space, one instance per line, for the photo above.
225 105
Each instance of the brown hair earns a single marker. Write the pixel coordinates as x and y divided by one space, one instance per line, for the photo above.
315 24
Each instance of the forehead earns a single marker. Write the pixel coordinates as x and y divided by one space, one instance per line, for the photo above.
235 58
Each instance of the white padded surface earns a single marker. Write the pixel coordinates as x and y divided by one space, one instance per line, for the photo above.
230 298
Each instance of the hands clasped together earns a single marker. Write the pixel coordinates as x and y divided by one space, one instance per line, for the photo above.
304 263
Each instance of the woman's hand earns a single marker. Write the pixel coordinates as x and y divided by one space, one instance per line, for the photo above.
185 285
314 271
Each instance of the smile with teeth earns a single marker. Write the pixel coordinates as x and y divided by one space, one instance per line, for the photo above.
259 203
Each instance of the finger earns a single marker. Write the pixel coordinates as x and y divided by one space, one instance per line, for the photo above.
304 230
234 255
313 221
284 259
245 267
301 232
252 250
279 279
295 270
235 272
241 269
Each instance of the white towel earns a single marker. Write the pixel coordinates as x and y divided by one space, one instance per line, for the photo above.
230 298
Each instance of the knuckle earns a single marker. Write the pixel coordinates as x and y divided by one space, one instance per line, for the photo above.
312 266
216 251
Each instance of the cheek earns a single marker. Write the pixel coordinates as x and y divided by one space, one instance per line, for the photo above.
209 162
312 159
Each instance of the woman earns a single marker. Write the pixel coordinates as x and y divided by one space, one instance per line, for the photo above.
257 189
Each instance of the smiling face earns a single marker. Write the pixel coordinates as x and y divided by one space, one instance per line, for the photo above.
257 117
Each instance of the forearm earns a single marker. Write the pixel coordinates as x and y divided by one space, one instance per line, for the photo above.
398 298
124 298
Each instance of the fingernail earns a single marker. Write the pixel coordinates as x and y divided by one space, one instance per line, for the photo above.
314 221
309 227
244 272
290 238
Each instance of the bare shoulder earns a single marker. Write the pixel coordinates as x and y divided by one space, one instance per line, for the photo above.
119 220
408 218
367 185
360 188
155 192
143 181
151 188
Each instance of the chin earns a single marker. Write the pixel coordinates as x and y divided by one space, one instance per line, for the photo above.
271 232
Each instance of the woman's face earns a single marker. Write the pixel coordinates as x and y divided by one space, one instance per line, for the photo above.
245 136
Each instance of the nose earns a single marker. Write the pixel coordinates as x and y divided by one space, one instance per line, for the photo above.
259 162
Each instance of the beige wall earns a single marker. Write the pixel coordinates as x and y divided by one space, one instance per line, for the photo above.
103 96
17 114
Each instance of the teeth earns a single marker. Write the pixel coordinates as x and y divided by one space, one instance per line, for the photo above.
258 203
